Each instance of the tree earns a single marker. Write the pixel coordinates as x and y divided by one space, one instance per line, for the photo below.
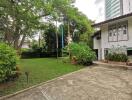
76 23
50 38
21 18
79 25
24 18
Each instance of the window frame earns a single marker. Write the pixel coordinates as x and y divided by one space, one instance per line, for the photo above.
111 29
117 26
122 24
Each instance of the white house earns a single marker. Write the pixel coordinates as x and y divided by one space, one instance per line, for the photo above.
113 32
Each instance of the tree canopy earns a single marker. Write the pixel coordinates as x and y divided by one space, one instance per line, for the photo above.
23 18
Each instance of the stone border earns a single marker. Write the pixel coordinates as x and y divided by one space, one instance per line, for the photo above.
43 83
114 65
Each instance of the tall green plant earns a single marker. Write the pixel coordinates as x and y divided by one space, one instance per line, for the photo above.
83 53
8 61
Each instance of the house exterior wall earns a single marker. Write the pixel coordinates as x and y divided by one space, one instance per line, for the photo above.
105 44
97 46
127 6
97 43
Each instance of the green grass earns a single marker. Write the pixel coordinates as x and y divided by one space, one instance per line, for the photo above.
40 70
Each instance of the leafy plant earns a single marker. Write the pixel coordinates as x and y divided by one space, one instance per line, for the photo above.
84 55
117 54
117 57
8 61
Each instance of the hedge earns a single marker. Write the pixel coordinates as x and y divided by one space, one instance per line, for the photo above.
8 62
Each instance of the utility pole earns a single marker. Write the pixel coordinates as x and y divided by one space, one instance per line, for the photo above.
62 39
56 41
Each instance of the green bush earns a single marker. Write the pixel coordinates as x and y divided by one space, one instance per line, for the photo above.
117 57
117 54
84 54
8 61
25 50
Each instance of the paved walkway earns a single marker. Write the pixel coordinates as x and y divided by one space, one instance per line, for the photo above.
96 83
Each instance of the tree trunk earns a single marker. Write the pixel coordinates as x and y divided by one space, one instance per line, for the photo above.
16 42
68 38
22 41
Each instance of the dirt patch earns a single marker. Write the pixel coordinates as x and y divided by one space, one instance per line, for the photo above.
6 85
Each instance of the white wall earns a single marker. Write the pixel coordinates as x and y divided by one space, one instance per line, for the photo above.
97 43
104 37
127 8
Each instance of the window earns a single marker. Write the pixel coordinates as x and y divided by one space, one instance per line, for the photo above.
129 52
115 34
118 32
123 31
112 33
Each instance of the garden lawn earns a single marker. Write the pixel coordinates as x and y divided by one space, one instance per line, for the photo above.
40 70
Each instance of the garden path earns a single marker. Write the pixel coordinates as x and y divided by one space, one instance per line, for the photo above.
92 83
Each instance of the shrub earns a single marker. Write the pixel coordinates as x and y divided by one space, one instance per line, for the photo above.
117 57
38 52
84 55
8 61
25 50
117 54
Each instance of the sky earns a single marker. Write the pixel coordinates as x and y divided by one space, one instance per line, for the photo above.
93 9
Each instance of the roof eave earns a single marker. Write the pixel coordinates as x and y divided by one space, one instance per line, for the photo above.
110 20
